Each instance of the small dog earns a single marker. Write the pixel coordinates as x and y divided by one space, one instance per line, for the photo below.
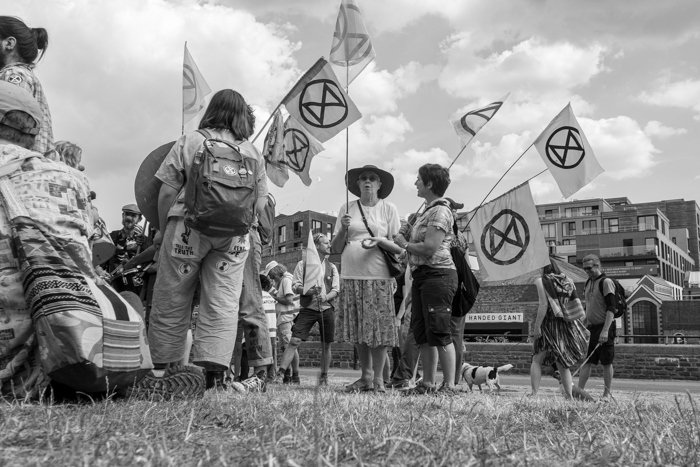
483 375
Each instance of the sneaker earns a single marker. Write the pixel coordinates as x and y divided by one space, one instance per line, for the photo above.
420 390
286 379
419 380
323 379
175 382
398 384
255 383
295 379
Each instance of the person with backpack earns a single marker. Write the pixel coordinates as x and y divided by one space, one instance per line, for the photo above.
434 280
600 293
205 239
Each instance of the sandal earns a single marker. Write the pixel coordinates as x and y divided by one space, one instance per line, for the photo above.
358 386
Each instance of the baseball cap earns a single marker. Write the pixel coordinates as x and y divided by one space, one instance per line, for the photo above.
454 204
13 97
269 267
131 208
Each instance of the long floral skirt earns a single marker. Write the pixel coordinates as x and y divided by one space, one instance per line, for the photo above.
567 342
365 313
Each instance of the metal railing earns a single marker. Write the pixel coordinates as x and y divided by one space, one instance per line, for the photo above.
641 250
501 338
570 215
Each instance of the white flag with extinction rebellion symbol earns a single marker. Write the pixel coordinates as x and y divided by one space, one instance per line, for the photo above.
508 236
320 104
299 148
567 153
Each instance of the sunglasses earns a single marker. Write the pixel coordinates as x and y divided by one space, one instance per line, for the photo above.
370 178
589 268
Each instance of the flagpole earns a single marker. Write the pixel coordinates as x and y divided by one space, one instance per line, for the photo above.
347 145
183 95
459 154
268 121
494 187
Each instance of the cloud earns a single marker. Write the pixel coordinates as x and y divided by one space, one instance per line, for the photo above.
378 91
531 68
658 129
684 94
621 146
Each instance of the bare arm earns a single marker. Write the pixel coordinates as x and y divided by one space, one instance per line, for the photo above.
428 247
166 197
542 306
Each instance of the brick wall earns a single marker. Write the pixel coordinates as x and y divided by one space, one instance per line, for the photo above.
634 361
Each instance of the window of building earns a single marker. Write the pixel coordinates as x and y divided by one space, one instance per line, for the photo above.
282 233
549 214
611 225
652 245
588 211
316 227
629 263
298 229
627 242
549 230
551 242
282 249
329 231
673 239
571 212
568 229
651 261
569 241
470 238
297 245
590 227
646 222
571 259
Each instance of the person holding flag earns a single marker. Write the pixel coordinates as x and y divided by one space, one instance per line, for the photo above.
317 281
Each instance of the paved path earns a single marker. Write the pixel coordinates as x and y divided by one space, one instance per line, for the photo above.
521 383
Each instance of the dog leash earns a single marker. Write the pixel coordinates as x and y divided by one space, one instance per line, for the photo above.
586 360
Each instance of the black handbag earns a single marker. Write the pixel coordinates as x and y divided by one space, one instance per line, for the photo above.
396 268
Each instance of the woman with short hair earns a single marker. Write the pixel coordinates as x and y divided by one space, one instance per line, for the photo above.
434 280
366 310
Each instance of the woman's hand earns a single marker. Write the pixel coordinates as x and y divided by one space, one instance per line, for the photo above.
537 332
371 242
345 221
400 240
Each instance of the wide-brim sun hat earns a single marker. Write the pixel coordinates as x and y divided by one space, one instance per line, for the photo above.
385 177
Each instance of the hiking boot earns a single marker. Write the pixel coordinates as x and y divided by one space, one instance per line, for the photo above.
175 382
215 379
398 384
255 383
295 379
421 390
323 379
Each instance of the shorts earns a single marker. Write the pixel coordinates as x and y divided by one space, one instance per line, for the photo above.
431 314
285 332
605 354
306 319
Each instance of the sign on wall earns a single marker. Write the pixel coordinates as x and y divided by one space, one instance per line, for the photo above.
495 318
631 271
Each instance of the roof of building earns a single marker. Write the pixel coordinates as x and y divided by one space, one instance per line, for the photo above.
575 273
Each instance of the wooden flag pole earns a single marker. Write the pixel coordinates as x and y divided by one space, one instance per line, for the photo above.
494 187
183 93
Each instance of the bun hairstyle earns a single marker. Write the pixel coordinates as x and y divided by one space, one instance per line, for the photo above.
29 40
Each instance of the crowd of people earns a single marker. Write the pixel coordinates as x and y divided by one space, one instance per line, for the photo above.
203 264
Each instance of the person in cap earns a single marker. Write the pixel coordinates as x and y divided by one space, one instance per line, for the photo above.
19 52
286 310
64 218
366 309
128 239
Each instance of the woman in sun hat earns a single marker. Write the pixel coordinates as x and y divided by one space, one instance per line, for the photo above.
366 310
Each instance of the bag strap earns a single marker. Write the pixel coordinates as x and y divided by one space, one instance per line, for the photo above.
362 213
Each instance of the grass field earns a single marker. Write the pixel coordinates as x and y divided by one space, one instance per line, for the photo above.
299 426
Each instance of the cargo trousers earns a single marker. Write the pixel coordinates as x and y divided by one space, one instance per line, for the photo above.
187 255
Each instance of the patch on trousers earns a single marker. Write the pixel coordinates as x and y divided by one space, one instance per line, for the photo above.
184 269
239 245
223 266
185 241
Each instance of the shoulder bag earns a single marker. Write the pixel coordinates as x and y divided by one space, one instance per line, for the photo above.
396 269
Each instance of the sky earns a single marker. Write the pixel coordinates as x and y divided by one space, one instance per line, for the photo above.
630 69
